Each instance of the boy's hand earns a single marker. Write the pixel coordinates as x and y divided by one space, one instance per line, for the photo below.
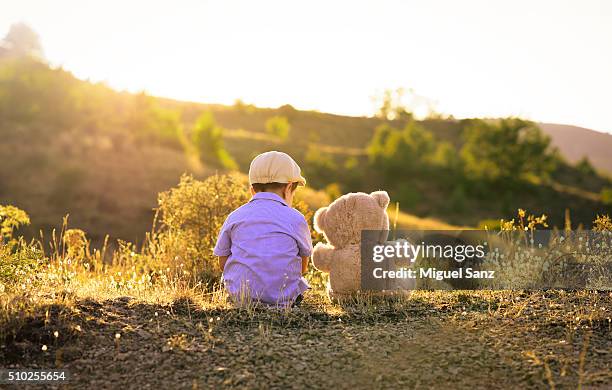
305 261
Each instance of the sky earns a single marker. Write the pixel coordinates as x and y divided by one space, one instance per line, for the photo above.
548 61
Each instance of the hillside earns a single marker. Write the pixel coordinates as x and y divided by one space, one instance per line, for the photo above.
313 138
577 142
102 156
573 142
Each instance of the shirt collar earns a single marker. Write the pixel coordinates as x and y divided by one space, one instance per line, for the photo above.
269 196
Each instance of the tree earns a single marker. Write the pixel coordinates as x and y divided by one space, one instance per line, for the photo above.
151 122
511 150
585 167
279 127
22 41
391 105
320 167
207 138
402 151
446 156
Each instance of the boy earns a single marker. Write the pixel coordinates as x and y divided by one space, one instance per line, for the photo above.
265 244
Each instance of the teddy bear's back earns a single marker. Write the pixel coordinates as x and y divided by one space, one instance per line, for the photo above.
349 215
345 274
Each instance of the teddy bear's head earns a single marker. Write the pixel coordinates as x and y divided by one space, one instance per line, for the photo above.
343 220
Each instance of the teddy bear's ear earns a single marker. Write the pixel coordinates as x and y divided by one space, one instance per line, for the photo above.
382 198
319 219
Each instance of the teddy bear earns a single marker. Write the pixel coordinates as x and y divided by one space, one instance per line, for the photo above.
341 223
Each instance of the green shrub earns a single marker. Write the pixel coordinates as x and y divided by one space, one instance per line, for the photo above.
508 150
153 123
458 199
397 152
278 126
207 138
489 224
18 260
446 156
606 196
11 218
319 167
18 264
585 167
409 195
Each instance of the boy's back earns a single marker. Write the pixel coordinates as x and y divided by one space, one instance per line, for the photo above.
265 241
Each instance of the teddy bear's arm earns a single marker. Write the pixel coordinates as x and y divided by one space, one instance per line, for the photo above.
321 257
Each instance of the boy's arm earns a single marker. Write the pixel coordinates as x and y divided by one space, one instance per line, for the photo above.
304 242
222 261
223 246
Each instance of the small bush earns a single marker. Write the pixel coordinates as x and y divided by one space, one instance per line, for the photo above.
524 221
18 260
10 219
191 216
333 190
602 223
18 265
76 244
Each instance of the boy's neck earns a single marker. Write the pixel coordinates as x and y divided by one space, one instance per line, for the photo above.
277 193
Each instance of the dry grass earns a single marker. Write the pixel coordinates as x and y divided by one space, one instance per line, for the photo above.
181 337
409 221
139 321
173 335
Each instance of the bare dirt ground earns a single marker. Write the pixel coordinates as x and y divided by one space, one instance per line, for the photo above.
431 340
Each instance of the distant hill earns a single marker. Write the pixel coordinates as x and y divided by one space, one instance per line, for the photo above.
71 146
577 142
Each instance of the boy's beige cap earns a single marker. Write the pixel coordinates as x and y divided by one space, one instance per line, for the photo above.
275 167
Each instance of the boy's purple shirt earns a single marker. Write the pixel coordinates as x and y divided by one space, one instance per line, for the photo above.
265 240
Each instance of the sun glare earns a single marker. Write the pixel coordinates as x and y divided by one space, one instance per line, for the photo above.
547 61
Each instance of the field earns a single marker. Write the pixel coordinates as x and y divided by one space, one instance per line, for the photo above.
156 317
186 339
111 202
